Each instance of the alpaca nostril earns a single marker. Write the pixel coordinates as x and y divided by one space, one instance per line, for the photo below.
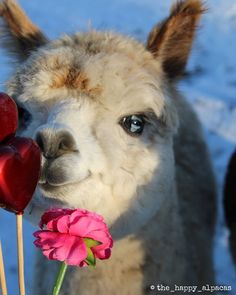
40 142
55 143
67 143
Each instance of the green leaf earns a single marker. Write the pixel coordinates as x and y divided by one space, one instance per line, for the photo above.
91 260
91 243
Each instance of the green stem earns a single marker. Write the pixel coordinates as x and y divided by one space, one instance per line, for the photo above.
60 279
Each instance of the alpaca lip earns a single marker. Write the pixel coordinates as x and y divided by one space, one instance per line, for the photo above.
47 187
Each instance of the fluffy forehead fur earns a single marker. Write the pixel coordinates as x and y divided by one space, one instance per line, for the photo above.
116 72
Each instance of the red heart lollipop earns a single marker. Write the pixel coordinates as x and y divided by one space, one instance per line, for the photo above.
19 173
8 117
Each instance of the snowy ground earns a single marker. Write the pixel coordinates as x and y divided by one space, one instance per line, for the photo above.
211 88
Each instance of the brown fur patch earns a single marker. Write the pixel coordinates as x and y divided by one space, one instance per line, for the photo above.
21 34
73 78
171 41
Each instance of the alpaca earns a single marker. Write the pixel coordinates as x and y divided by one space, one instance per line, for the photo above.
118 138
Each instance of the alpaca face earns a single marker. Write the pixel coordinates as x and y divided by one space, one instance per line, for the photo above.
104 126
100 108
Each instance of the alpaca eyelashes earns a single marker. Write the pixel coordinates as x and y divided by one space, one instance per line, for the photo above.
133 124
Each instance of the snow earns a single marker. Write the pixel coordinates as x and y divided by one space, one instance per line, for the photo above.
211 88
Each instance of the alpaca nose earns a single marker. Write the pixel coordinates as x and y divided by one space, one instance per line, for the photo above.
55 143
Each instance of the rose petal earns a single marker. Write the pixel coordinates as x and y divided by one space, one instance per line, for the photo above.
62 224
73 252
66 228
95 216
48 253
83 264
78 253
102 251
102 254
103 237
48 239
80 213
81 226
51 214
52 224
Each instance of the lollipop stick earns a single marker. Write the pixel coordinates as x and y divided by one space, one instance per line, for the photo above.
20 254
2 273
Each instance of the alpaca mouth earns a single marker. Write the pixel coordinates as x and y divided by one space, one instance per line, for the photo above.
48 190
48 187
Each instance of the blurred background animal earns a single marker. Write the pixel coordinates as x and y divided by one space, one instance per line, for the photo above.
230 202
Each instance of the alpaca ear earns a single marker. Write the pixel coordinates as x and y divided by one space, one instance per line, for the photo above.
171 41
18 34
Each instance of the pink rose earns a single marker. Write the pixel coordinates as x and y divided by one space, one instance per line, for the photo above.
76 237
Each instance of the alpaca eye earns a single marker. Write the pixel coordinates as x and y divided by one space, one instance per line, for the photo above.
133 124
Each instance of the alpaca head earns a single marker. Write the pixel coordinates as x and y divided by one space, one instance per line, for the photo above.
100 107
